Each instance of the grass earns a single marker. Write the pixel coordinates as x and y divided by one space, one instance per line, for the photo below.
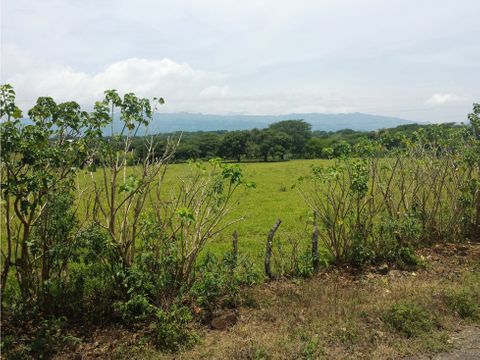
465 300
408 318
338 316
258 208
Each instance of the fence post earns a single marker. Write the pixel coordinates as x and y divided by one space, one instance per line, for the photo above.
268 250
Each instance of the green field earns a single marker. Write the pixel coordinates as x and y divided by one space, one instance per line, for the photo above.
258 208
272 198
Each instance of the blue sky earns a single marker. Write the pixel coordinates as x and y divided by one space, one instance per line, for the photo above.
418 60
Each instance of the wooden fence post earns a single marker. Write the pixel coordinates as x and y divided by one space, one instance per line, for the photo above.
268 250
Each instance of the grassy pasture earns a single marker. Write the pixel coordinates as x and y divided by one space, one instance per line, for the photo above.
258 208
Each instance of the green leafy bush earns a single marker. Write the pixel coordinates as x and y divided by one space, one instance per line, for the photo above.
170 331
360 253
219 282
41 341
409 319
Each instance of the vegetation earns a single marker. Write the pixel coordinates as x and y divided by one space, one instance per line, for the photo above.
100 230
286 140
409 319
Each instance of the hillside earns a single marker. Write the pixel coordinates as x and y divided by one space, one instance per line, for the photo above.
170 122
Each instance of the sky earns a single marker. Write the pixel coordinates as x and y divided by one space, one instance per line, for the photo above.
414 59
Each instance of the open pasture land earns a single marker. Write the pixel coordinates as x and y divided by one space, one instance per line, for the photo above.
256 209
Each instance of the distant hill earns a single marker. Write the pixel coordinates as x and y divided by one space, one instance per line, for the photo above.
170 122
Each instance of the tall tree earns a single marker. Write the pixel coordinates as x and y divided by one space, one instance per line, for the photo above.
207 144
299 131
273 143
234 145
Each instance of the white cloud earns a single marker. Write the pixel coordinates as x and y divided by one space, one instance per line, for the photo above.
144 77
183 87
214 91
280 56
440 99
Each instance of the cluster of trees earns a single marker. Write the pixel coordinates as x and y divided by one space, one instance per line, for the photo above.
289 139
281 140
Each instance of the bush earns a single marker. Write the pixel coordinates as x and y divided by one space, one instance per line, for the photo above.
360 253
137 308
220 281
292 259
41 342
170 330
408 318
464 302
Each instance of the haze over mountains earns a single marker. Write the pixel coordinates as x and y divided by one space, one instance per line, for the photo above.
171 122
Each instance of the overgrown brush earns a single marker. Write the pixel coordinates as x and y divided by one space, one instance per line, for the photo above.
377 209
114 261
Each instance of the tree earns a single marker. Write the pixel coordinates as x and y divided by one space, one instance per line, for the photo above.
187 151
207 144
119 199
39 162
299 131
313 148
272 143
342 148
234 144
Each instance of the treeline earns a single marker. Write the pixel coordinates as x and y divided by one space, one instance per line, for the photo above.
289 139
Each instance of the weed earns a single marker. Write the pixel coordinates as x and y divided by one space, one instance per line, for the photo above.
170 331
465 302
409 319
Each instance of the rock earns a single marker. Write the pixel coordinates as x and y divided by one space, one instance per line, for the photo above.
383 269
224 320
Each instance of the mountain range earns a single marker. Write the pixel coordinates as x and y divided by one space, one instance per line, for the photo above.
171 122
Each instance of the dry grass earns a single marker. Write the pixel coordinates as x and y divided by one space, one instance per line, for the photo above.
337 315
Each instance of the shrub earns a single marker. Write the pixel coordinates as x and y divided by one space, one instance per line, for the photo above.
220 281
42 341
137 308
304 265
360 253
465 302
291 258
170 331
406 257
408 318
